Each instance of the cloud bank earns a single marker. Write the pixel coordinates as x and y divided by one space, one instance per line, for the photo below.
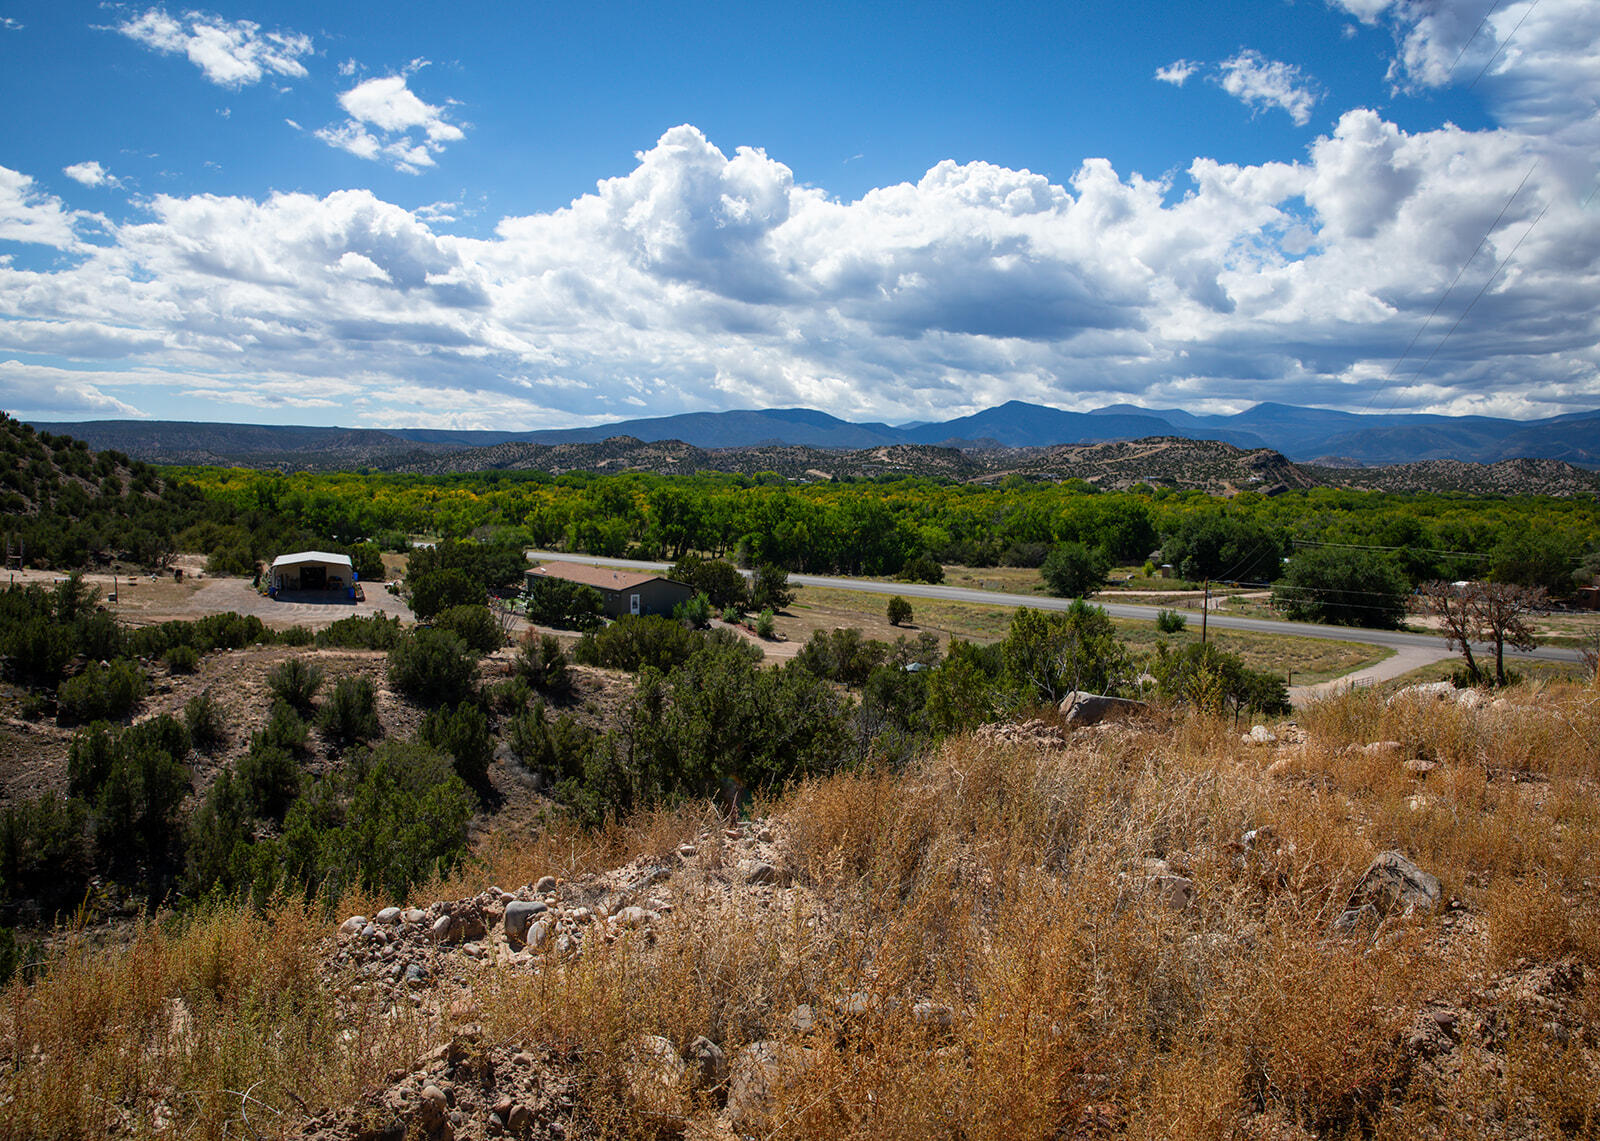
704 278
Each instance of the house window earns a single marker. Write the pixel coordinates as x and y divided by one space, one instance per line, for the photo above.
633 604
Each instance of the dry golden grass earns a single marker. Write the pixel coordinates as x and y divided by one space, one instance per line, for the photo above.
1011 885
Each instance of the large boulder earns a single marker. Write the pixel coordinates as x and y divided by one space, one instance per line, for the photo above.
1391 885
1093 708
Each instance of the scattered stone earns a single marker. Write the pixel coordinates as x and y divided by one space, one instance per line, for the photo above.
1092 708
539 933
441 929
1419 767
517 918
760 872
634 916
932 1015
389 916
1259 735
1177 892
1391 884
759 1070
657 1077
413 916
802 1018
353 925
545 885
709 1061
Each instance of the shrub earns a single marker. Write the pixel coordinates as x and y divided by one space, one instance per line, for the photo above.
395 816
463 733
285 729
101 693
564 605
295 636
635 641
1211 679
433 667
477 626
922 568
44 851
694 613
769 590
433 592
135 811
229 631
542 663
731 614
366 559
182 659
717 579
268 778
295 683
899 611
1050 653
202 716
351 712
1170 622
1072 570
842 655
766 625
372 633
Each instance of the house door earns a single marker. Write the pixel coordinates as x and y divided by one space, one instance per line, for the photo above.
633 605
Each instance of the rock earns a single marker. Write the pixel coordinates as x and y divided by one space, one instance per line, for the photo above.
517 918
468 927
802 1018
1383 750
710 1064
1092 708
389 916
1391 884
932 1016
687 851
440 931
1433 690
765 835
758 1071
521 1120
433 1110
657 1077
633 916
1177 892
1420 767
1471 698
545 885
413 916
1259 735
353 925
647 879
539 934
417 975
760 872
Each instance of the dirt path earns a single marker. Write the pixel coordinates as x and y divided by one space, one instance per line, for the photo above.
1402 661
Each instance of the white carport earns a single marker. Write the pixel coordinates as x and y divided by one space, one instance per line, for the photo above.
312 570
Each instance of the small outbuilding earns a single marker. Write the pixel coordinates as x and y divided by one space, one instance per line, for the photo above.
624 592
312 570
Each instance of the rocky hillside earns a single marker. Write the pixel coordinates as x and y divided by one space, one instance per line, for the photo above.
1160 461
1508 477
1139 929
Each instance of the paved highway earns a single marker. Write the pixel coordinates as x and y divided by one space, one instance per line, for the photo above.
1396 639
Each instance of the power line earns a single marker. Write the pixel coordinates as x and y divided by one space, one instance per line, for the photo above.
1372 547
1503 45
1415 337
1472 37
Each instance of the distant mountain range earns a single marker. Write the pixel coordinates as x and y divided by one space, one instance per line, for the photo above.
1302 434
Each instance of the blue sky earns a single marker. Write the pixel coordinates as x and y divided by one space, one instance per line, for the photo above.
524 216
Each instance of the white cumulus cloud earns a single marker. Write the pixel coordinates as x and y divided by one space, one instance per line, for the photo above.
409 131
230 53
1177 72
707 277
1259 82
90 173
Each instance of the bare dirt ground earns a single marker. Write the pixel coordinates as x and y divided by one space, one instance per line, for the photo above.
141 600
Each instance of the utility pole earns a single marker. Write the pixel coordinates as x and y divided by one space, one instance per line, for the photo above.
1205 610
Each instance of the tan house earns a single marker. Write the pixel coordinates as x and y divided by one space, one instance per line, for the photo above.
624 592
